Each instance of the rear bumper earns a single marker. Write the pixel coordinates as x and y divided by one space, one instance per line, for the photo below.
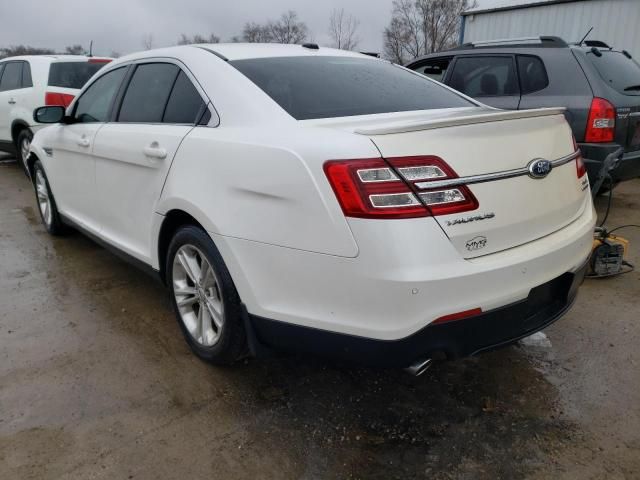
490 330
406 275
628 168
594 155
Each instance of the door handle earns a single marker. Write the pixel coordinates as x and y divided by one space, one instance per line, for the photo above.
155 151
12 101
83 142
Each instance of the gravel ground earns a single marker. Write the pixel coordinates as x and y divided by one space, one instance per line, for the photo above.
97 383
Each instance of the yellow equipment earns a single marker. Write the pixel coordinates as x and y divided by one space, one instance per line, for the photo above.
608 255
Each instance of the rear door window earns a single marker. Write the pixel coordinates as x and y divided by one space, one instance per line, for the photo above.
26 75
147 94
11 77
618 71
436 68
533 75
484 76
185 104
72 74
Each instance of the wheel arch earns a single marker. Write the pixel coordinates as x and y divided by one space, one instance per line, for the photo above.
173 220
16 127
31 161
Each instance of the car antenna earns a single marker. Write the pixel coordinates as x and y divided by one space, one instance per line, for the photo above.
585 37
91 48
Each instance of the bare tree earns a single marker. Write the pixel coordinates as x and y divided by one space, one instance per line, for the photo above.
418 27
288 29
343 30
74 50
256 33
147 41
197 38
15 50
395 39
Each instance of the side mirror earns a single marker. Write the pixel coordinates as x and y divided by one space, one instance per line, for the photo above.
53 114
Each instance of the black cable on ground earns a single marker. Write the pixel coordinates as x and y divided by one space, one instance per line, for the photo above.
624 226
606 215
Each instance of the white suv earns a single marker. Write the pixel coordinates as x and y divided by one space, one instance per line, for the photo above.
30 81
323 201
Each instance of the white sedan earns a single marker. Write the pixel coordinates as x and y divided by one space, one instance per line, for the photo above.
317 200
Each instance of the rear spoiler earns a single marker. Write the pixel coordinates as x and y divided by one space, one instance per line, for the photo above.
483 116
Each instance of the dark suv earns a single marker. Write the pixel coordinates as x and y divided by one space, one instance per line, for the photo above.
599 86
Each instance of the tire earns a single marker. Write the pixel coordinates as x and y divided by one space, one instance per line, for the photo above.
23 142
208 310
46 202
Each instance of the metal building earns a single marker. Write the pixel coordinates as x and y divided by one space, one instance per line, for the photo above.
616 22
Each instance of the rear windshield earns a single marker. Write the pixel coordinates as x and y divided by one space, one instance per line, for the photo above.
325 87
620 72
72 74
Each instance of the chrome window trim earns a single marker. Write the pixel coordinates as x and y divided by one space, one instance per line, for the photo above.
490 177
214 122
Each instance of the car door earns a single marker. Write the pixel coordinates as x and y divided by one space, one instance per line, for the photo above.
4 112
133 154
491 79
71 169
10 85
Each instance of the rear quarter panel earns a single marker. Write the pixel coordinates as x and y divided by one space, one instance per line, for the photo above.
265 185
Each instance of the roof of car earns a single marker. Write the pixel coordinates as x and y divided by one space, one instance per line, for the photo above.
238 51
56 58
241 51
515 44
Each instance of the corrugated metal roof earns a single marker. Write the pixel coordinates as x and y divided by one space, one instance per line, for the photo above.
496 5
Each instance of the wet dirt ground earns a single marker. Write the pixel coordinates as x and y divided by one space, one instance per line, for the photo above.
96 382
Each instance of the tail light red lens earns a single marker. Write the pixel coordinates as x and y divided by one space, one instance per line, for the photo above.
601 123
370 189
99 60
581 169
58 99
373 188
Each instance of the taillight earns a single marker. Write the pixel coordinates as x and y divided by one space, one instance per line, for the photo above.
373 188
370 189
581 169
602 121
99 60
420 172
58 99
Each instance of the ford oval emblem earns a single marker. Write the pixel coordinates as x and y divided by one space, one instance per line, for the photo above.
539 168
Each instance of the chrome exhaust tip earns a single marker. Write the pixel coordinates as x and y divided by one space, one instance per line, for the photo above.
419 367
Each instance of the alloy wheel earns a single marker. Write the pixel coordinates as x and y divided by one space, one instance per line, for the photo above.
25 145
44 201
198 295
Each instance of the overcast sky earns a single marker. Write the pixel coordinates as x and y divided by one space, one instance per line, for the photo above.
119 25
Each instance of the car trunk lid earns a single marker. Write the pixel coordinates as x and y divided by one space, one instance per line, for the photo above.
490 150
